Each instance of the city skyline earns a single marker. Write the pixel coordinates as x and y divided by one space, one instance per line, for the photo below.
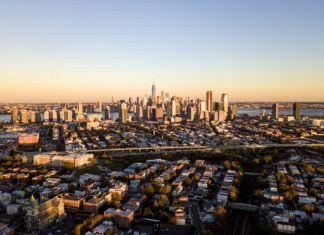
81 51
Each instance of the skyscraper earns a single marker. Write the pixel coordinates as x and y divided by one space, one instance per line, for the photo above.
225 102
24 116
107 113
123 112
296 109
209 99
99 107
173 108
15 114
153 91
275 111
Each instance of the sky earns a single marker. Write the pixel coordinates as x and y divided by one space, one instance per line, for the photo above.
76 50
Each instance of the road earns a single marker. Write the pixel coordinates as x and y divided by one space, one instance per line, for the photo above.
206 148
196 218
240 219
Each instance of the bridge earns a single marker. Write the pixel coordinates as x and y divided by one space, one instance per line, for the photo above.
188 148
251 173
244 206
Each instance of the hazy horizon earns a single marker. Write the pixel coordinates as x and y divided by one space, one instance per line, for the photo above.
84 51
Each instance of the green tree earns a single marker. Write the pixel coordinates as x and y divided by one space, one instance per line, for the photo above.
187 181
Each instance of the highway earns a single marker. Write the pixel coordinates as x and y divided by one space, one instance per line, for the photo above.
206 148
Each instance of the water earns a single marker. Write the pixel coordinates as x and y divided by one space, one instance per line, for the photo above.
307 112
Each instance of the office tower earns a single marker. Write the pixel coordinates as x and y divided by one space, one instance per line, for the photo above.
166 97
130 100
209 99
80 107
173 108
275 111
191 113
157 113
137 101
15 114
99 107
219 106
66 115
52 116
123 113
144 101
159 99
107 113
221 116
24 118
46 116
162 95
225 102
38 117
148 112
296 109
112 100
202 106
32 116
232 111
139 112
153 91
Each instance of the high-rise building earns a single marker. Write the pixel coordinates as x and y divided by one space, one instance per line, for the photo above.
15 114
225 102
99 107
191 113
139 112
66 115
275 111
32 116
202 107
80 107
24 116
173 108
296 109
153 91
123 113
107 113
209 99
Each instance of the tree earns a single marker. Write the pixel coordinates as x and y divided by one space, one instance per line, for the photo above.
258 193
187 181
43 171
307 208
68 166
173 220
147 190
77 229
219 212
161 201
146 212
314 192
197 176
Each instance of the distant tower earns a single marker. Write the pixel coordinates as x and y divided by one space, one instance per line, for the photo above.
24 116
153 91
123 112
99 107
15 114
107 113
173 108
275 111
209 99
296 109
80 108
225 102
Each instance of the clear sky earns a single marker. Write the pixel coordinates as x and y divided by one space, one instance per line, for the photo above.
68 51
